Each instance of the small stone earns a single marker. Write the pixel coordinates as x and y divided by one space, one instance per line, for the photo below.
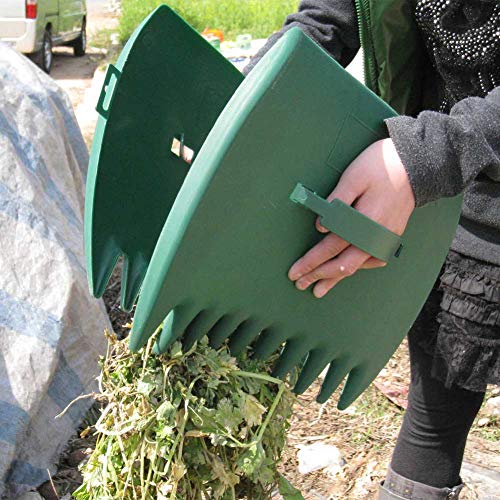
318 456
482 422
350 410
492 407
483 481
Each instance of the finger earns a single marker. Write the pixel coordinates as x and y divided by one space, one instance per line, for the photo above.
373 263
348 189
334 269
321 228
329 247
328 270
349 261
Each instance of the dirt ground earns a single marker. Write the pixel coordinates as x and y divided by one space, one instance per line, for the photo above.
74 74
365 434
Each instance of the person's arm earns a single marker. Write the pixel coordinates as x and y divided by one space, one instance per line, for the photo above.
429 157
330 23
444 153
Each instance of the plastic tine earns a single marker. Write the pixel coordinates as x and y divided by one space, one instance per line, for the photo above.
244 335
339 368
357 381
223 329
200 326
174 326
132 277
314 365
269 342
294 352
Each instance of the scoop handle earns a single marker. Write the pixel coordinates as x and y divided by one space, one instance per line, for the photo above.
108 90
350 225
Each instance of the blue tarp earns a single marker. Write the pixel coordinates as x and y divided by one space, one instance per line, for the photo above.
51 330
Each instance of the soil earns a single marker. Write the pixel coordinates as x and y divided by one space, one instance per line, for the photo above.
366 434
75 74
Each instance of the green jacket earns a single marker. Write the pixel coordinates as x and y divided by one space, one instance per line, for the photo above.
395 56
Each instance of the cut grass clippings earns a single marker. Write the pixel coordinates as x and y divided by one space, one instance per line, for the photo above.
259 18
198 424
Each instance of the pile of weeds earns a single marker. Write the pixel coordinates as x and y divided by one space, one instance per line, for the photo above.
188 425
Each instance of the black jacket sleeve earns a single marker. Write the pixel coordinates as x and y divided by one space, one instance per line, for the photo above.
443 153
330 23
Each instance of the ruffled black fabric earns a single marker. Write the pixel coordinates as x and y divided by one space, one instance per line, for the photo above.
460 324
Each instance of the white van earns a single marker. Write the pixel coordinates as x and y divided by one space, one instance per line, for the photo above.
35 26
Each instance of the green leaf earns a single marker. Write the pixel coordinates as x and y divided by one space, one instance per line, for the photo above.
220 472
176 350
251 460
164 431
228 415
165 411
252 410
146 386
287 491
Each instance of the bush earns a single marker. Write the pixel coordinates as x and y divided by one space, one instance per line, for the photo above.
257 17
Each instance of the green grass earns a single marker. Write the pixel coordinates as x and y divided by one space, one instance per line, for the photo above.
260 18
490 432
102 38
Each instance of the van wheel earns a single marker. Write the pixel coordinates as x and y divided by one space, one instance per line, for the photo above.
80 44
43 57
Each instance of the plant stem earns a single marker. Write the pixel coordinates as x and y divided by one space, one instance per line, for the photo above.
270 412
260 376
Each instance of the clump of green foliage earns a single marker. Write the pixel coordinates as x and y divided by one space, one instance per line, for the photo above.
260 18
188 425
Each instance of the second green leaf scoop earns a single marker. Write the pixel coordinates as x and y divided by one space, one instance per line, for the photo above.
246 212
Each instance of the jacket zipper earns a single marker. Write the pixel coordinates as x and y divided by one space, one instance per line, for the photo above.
366 41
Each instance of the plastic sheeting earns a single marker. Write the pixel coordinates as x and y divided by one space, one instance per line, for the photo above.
51 330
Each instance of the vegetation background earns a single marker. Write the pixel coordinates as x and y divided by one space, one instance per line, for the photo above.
260 18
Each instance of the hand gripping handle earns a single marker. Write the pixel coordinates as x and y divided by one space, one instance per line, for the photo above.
350 225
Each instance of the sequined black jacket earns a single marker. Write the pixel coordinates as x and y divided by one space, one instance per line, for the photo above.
453 146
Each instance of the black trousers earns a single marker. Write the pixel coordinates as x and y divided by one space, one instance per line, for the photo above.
431 442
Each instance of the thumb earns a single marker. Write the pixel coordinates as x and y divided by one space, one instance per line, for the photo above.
348 189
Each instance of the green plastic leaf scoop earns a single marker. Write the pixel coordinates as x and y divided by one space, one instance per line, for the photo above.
246 210
156 108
